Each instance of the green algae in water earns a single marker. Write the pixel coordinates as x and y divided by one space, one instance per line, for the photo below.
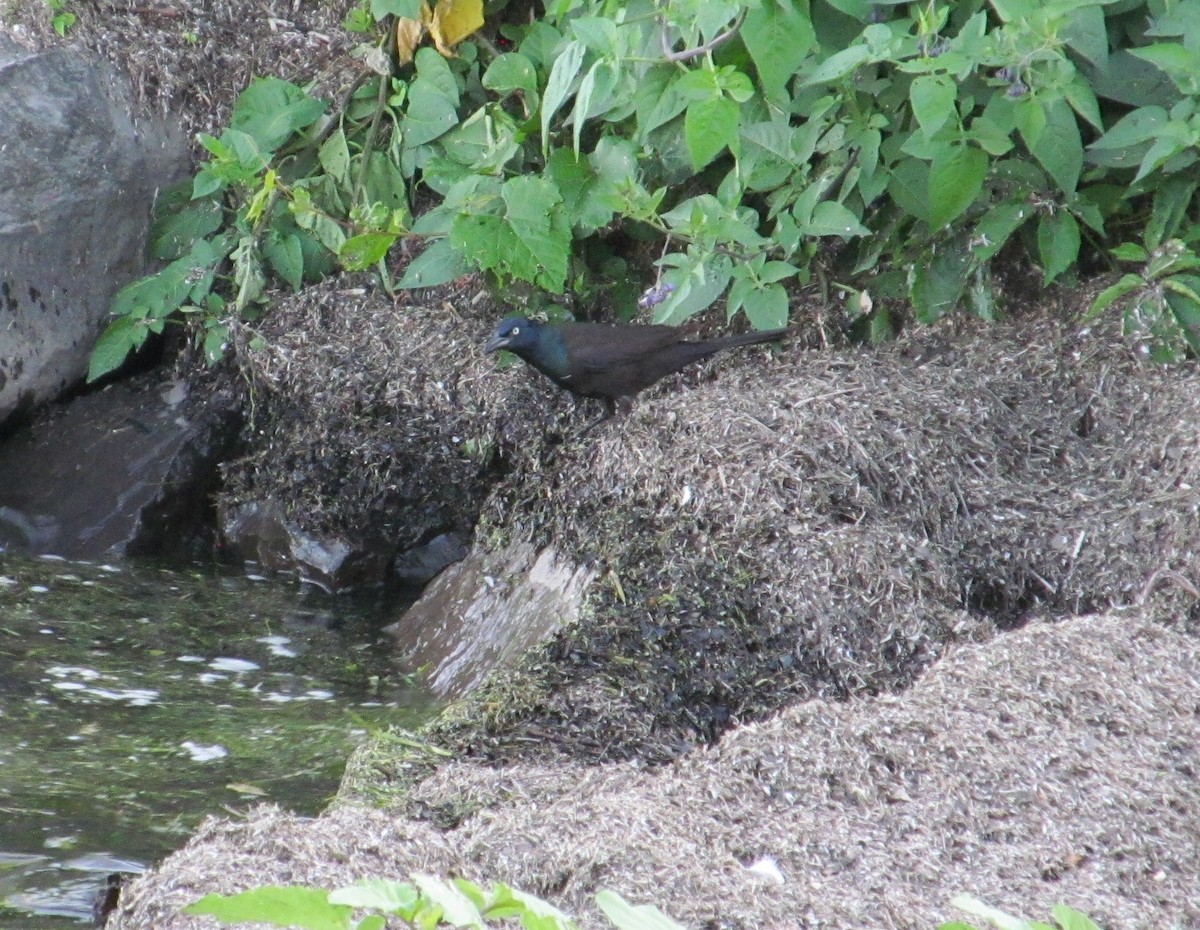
135 701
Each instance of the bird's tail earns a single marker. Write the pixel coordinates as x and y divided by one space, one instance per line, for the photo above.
751 338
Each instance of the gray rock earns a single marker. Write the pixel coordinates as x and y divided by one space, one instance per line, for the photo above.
122 471
486 611
78 177
260 532
422 564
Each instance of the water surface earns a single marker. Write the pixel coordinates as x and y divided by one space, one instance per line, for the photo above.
134 701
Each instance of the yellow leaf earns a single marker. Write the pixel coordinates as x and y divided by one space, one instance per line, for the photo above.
409 33
453 21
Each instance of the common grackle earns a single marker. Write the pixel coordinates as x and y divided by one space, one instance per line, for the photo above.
610 362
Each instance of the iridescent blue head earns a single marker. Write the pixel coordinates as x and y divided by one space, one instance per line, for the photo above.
515 333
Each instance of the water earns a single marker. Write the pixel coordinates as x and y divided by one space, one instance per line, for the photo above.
134 701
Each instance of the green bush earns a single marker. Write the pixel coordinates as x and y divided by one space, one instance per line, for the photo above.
893 148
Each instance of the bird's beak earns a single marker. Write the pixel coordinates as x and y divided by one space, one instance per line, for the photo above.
495 344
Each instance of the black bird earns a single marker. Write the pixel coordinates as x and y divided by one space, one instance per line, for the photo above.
611 362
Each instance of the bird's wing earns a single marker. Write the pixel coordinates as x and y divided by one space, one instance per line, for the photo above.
598 347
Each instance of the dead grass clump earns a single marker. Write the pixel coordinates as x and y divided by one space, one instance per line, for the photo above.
825 524
1054 764
193 59
366 417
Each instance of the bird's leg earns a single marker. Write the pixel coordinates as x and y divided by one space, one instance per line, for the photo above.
624 404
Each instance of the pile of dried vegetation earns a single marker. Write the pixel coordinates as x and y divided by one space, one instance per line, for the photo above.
1054 764
826 523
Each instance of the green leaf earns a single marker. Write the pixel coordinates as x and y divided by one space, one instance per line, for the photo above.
270 110
439 264
1182 293
363 251
529 241
122 336
174 235
710 126
698 284
1070 919
909 187
579 185
563 73
626 916
830 218
996 226
1130 252
838 65
766 308
778 36
409 9
294 906
335 156
457 909
510 72
383 894
938 285
975 907
932 97
594 91
1114 292
1060 148
430 113
286 257
1058 243
955 179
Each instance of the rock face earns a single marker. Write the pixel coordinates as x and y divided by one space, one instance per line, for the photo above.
487 610
78 177
123 471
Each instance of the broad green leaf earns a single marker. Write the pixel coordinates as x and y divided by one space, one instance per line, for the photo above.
594 91
434 69
1070 919
335 156
430 113
1031 119
286 256
697 287
440 263
563 73
626 916
1130 252
457 909
830 218
510 72
307 908
1058 243
955 179
270 110
407 9
578 183
1014 10
173 235
937 285
1114 292
122 336
767 308
1182 293
1087 34
778 36
384 184
1172 199
838 65
933 101
1060 148
380 893
709 127
598 33
995 228
529 241
361 252
1181 63
909 187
